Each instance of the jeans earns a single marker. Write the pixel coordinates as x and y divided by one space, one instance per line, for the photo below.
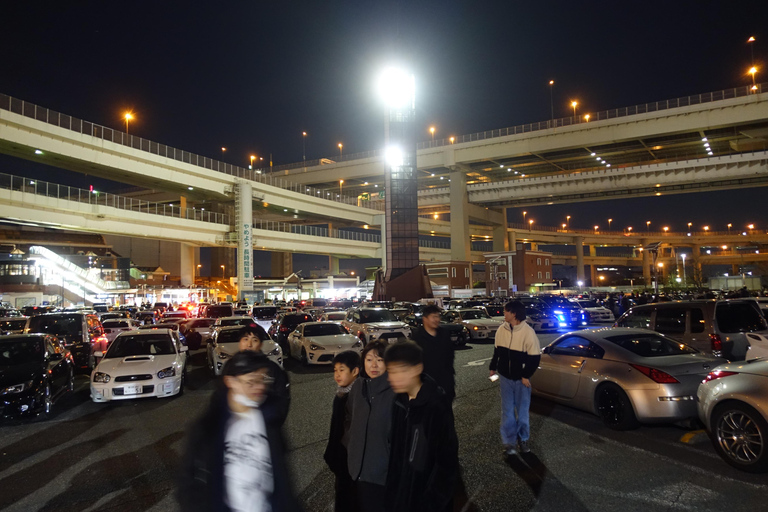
515 402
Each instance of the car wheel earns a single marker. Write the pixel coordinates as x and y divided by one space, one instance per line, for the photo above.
740 436
304 359
614 408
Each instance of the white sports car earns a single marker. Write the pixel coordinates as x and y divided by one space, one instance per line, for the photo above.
319 342
140 364
595 312
226 343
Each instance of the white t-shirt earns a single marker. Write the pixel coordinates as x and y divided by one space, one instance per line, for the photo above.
248 481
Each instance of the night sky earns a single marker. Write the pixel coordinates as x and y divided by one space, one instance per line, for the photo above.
252 76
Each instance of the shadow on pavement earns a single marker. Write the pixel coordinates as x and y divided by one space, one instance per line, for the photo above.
535 474
21 484
145 476
296 367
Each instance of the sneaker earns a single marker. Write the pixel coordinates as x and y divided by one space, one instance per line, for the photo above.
509 449
524 447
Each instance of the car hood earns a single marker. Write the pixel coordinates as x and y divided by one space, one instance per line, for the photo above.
135 364
334 339
487 322
683 364
386 325
229 348
10 375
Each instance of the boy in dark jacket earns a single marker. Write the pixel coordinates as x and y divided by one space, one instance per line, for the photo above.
424 459
346 367
235 459
436 343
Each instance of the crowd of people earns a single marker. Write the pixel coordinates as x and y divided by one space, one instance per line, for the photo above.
392 444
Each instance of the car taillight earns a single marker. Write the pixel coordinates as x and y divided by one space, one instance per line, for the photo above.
655 375
285 329
717 343
717 374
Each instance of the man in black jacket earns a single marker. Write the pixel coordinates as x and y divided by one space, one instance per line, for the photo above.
436 344
234 459
424 459
279 398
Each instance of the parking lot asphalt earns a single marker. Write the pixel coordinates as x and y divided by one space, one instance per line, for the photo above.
123 456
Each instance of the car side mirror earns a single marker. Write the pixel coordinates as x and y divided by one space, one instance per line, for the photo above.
546 350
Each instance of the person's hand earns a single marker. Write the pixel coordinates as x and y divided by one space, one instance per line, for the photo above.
526 382
491 373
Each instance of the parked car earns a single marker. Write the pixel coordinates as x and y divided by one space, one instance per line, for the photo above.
37 370
624 376
568 314
140 364
147 317
539 320
115 326
264 315
197 331
495 311
594 312
13 324
319 342
758 346
716 326
182 314
333 316
219 310
227 321
375 323
81 333
481 327
733 405
226 342
285 325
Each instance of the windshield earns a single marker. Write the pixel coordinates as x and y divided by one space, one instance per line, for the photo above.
237 321
339 315
324 330
114 324
472 314
13 325
265 312
495 310
650 345
206 322
62 325
23 351
140 345
735 317
376 315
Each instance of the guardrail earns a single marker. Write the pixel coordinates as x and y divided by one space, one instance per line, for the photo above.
301 229
67 122
645 108
44 188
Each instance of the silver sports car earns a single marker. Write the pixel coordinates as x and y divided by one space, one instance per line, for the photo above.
733 405
625 376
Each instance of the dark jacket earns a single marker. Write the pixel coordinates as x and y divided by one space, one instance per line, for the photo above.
517 352
279 399
369 411
201 480
336 453
424 459
438 358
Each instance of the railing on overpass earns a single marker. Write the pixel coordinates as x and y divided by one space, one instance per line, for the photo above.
645 108
80 195
54 118
301 229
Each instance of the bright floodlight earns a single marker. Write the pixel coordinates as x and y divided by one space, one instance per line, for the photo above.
397 88
394 156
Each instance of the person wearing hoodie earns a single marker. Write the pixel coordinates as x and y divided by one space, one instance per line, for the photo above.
235 459
424 455
369 413
516 357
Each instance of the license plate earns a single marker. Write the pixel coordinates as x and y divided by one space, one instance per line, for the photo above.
132 390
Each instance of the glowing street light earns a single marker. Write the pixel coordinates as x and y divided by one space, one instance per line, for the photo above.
452 139
568 221
706 228
341 146
573 104
304 146
432 131
524 214
222 271
341 183
563 225
551 98
752 72
609 224
648 225
729 228
666 229
530 225
129 117
689 226
252 157
586 117
223 150
751 226
596 229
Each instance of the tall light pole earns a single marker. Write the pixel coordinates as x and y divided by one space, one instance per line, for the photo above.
432 131
568 221
648 226
252 157
609 224
573 104
223 150
685 283
552 101
304 146
341 146
752 72
524 214
222 271
341 183
129 117
751 43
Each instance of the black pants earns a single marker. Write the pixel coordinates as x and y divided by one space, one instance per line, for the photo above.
346 494
370 497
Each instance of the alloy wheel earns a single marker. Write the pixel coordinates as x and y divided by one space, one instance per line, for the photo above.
740 437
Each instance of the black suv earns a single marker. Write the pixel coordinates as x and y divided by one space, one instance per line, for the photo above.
286 325
81 333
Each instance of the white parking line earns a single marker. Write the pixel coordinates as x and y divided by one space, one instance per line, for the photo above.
479 362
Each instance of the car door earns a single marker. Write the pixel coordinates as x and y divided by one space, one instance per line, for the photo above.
561 367
57 369
294 340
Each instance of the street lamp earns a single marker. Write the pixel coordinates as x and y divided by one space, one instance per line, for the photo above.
563 226
685 284
198 270
629 229
568 221
689 226
648 225
341 146
586 117
706 228
452 139
432 131
252 157
551 99
530 225
752 72
729 228
596 228
129 117
341 182
573 104
524 214
609 224
304 146
223 150
222 271
751 226
665 228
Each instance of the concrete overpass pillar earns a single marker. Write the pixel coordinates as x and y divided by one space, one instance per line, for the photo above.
187 265
512 235
593 280
500 239
460 244
646 265
183 206
282 264
333 265
579 243
696 275
735 269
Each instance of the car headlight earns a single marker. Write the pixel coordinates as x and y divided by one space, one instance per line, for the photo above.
166 372
357 344
479 328
558 311
16 388
465 330
315 346
101 377
368 328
